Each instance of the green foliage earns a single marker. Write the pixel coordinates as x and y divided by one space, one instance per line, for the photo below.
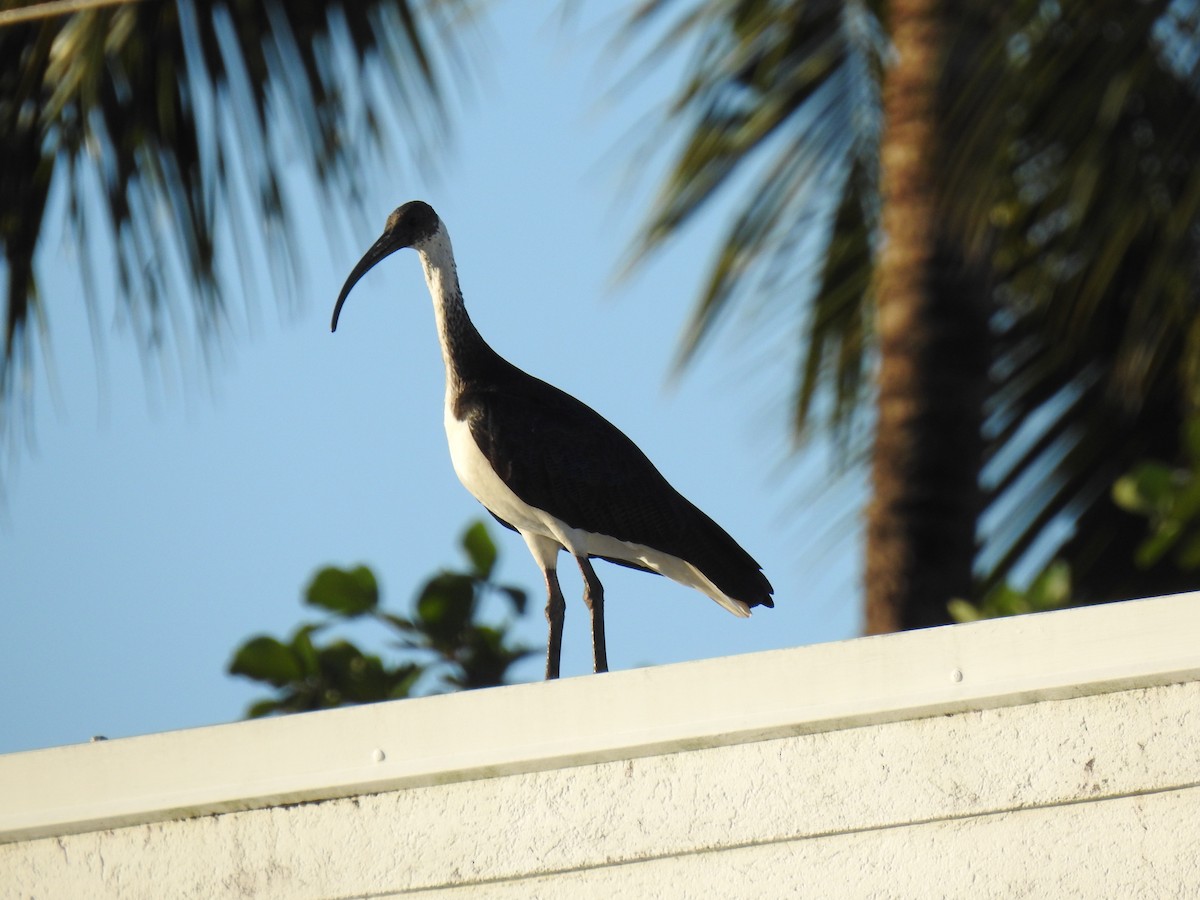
309 676
1050 590
1169 498
1068 179
344 592
782 98
480 549
442 647
107 99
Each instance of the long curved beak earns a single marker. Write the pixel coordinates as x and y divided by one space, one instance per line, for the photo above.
381 249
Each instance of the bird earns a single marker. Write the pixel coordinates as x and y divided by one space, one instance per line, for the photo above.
550 468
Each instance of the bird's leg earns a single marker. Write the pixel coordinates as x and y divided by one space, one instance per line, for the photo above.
593 596
556 609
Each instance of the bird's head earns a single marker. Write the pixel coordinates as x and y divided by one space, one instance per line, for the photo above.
408 226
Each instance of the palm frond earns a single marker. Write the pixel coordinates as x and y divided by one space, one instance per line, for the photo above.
836 357
786 93
1069 175
164 119
1095 223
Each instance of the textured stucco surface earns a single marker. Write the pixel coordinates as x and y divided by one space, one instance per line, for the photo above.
1093 796
1111 849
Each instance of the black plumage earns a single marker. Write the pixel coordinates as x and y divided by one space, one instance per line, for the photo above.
559 455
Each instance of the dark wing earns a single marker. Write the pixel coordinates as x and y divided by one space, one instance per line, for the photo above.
559 455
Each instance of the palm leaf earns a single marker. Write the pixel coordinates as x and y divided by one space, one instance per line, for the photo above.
785 93
164 120
1069 176
1099 168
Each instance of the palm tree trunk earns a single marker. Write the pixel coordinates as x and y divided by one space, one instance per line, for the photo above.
933 344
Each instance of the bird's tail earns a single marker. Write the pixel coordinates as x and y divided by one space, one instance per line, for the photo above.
734 573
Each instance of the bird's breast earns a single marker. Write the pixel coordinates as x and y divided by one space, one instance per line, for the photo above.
478 477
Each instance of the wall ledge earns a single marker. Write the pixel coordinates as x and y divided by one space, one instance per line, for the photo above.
597 719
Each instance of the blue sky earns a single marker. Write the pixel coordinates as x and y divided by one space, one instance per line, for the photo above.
170 507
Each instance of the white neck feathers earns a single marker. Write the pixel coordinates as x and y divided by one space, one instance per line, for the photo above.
437 258
456 334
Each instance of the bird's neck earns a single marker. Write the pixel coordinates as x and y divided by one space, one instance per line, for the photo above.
464 351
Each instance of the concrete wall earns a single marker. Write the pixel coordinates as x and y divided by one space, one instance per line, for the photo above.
1047 756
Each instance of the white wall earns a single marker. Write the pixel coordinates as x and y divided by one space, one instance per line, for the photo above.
1048 756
